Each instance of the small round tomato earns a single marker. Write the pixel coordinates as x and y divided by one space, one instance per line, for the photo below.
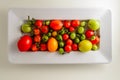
37 38
24 43
71 29
36 31
89 33
65 36
43 47
56 25
95 40
68 48
67 23
74 47
75 23
44 29
34 47
38 23
69 42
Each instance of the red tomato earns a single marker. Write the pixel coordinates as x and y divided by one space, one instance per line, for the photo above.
68 48
37 38
75 23
43 47
71 29
69 42
56 25
38 23
67 23
89 33
24 43
74 47
44 29
95 40
65 36
34 47
36 31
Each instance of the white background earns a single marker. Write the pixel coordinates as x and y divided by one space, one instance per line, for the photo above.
60 72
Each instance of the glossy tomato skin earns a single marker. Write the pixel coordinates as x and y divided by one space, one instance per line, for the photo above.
69 42
67 23
89 33
68 48
43 47
71 29
36 31
74 47
75 23
24 43
37 38
65 36
44 29
38 23
96 40
56 25
34 47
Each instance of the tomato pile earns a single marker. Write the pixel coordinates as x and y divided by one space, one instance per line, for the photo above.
63 36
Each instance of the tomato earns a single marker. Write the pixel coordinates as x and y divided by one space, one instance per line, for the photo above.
24 43
74 47
71 29
95 40
89 33
67 23
43 47
38 23
56 25
44 29
36 31
65 36
34 47
37 38
69 42
68 48
75 23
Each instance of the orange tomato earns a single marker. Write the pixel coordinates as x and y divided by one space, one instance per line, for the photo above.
52 44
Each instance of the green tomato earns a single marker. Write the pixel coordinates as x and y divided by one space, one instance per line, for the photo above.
61 44
61 51
47 22
59 37
26 28
82 37
73 35
93 24
83 23
49 34
85 46
77 40
94 47
80 30
45 38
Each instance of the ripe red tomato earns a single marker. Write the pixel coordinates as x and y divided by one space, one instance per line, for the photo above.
89 33
34 47
69 42
56 25
65 36
37 38
95 40
71 29
67 23
24 43
43 47
36 31
74 47
75 23
44 29
68 48
38 23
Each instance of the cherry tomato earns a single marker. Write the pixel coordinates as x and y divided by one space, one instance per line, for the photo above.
37 38
24 43
36 31
71 29
68 48
89 33
95 40
74 47
38 23
34 47
43 47
75 23
56 25
67 23
44 29
69 42
65 36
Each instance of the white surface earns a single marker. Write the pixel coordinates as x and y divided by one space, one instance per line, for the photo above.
60 72
17 16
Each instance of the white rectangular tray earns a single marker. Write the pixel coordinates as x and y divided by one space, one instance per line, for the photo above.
16 16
